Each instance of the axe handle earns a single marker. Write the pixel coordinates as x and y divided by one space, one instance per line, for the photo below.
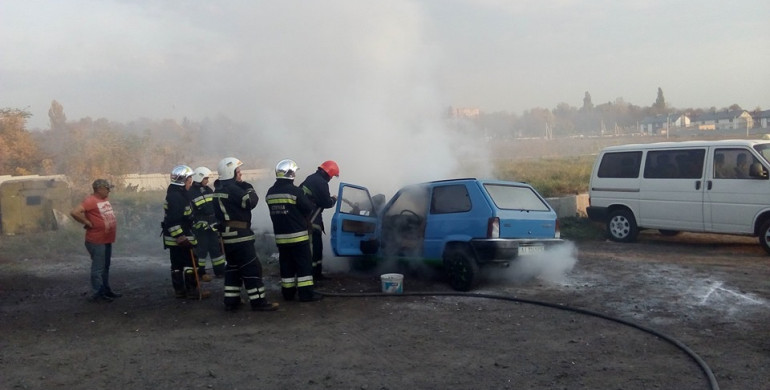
195 271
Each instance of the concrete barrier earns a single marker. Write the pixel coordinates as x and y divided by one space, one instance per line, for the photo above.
570 206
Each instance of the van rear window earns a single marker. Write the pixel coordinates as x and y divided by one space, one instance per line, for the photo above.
621 165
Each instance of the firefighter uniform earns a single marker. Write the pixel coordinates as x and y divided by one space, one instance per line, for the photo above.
316 187
234 200
178 237
289 212
208 239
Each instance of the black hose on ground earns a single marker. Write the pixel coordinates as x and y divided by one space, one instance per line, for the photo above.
694 356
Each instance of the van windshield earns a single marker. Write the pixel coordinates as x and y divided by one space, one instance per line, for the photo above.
764 151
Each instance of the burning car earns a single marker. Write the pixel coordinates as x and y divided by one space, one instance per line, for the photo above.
460 224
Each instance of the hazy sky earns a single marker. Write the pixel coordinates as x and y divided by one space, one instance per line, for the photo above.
366 82
157 59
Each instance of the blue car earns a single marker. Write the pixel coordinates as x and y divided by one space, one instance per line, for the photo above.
460 224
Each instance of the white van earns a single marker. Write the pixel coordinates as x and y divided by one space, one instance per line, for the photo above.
694 186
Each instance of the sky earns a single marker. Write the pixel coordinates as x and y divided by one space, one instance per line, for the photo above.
374 76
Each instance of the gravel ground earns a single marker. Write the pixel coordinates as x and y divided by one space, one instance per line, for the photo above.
710 293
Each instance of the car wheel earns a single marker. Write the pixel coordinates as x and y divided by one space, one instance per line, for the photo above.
668 233
461 268
621 226
764 236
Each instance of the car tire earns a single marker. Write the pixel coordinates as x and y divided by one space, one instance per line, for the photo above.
461 267
764 236
668 233
621 226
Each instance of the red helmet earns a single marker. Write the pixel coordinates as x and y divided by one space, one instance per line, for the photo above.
331 168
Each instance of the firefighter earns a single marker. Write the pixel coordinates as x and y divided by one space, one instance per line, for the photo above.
178 237
290 210
204 227
316 187
234 200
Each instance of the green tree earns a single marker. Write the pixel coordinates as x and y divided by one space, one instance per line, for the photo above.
659 107
587 104
56 116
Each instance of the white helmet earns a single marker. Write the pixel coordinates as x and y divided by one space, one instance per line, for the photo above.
200 174
226 167
179 174
286 169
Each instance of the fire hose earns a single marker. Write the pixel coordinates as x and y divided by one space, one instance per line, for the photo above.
713 385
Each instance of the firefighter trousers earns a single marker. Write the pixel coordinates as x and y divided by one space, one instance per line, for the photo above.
182 275
243 269
296 271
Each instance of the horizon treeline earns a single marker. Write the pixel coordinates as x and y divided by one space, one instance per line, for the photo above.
86 148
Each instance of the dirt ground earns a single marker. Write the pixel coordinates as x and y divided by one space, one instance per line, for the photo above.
710 293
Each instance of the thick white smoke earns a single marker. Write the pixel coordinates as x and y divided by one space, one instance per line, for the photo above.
351 82
553 265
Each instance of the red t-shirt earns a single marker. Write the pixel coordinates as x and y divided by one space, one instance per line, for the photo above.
99 212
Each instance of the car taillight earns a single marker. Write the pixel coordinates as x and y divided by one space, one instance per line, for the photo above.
493 228
557 232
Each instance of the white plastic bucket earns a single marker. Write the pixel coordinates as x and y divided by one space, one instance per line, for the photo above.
392 283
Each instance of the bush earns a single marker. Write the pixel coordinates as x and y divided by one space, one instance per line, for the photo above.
550 176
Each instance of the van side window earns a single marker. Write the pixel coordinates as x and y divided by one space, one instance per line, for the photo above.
674 164
734 164
621 165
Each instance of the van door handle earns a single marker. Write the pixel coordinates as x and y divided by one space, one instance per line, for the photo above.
697 184
709 185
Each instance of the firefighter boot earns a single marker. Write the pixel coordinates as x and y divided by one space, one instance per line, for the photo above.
177 281
262 304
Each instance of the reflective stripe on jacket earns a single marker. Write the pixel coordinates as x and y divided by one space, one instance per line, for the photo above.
289 211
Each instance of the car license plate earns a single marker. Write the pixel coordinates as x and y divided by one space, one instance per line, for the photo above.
531 250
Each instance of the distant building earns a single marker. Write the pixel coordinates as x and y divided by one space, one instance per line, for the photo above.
724 120
762 119
661 123
470 113
160 181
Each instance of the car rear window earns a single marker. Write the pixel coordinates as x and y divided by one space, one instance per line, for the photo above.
515 198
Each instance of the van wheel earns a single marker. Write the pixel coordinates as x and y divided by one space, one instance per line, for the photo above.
668 233
621 226
764 236
461 268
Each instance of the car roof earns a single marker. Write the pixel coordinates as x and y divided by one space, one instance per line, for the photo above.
473 179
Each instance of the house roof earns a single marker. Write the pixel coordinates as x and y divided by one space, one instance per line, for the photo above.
720 115
762 114
659 119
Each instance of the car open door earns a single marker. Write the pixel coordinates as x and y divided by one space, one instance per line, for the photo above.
354 223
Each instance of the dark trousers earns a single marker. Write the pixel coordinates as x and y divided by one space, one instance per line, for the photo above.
296 271
318 253
209 246
182 276
243 269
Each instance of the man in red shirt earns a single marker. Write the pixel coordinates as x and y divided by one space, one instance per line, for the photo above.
97 217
